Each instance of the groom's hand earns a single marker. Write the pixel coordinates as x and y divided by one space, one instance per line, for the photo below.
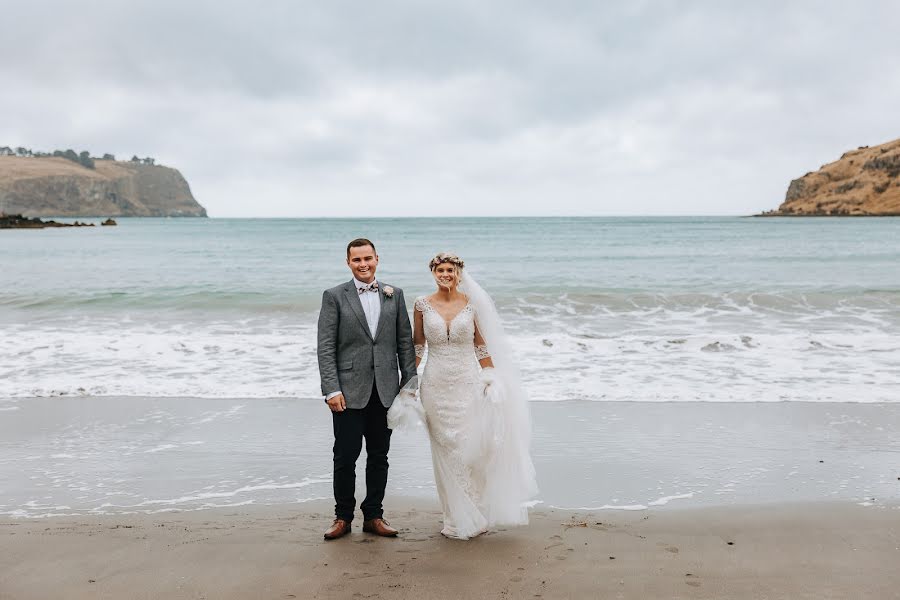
337 404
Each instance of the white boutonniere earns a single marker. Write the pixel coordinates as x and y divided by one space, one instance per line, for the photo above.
388 291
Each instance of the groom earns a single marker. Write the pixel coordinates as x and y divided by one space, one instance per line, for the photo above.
364 336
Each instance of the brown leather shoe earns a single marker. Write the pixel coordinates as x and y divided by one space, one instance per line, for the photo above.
339 528
379 527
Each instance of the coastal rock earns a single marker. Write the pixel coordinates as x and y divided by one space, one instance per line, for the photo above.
863 182
56 187
109 222
20 222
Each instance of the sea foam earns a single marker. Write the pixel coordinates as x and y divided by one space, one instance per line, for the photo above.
725 348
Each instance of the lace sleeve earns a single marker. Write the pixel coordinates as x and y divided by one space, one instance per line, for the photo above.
481 349
419 328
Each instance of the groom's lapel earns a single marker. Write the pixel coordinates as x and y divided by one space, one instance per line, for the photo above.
353 297
381 317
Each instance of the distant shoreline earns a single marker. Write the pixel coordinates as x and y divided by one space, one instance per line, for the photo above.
816 215
21 222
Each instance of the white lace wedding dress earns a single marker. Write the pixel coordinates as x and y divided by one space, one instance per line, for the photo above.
489 486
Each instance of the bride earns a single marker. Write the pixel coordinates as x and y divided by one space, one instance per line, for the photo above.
478 419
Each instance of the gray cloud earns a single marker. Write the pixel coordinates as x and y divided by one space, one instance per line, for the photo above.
404 107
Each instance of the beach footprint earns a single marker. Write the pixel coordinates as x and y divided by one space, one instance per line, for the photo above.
556 540
668 547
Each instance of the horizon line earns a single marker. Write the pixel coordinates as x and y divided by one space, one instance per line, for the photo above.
573 216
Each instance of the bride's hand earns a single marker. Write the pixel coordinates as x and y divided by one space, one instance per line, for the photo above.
488 378
411 394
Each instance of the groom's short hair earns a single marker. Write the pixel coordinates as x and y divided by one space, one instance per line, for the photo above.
359 243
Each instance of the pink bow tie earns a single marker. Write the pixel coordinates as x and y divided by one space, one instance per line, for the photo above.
372 287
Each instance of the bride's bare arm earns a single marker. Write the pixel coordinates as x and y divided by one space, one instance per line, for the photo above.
418 334
481 351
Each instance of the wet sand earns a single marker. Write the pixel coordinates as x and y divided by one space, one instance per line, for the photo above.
810 550
93 456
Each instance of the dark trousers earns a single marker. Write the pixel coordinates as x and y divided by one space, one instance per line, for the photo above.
350 427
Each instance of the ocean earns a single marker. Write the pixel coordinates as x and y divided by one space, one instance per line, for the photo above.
717 309
166 365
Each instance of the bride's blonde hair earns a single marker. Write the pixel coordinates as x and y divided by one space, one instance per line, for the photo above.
446 257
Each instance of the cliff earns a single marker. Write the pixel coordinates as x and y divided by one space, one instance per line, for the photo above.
862 182
56 187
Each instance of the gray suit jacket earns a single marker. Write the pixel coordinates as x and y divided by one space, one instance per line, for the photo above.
350 359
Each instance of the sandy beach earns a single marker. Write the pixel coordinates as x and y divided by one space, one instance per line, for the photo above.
192 498
816 551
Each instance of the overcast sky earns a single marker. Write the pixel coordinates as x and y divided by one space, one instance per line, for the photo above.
458 108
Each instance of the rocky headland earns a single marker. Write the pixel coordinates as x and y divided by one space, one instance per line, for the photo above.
58 187
863 182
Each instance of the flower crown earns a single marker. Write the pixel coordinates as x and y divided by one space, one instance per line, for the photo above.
446 257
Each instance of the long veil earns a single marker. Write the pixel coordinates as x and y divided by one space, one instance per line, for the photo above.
500 425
